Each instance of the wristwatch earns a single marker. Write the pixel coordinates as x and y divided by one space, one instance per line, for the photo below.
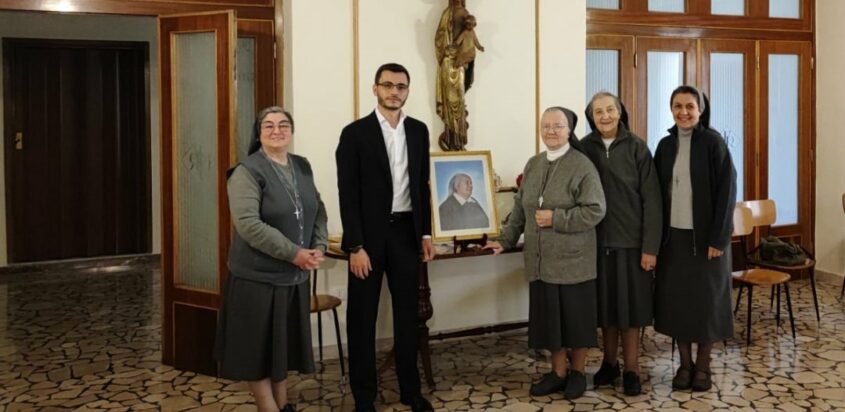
355 249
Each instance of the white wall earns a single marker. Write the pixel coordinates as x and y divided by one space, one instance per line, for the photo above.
830 149
467 292
86 27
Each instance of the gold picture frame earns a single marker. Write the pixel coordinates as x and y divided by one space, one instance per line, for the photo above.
457 211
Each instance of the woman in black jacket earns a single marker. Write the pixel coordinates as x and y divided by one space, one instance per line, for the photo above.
693 285
628 237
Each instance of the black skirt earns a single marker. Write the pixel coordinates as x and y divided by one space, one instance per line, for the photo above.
692 294
264 331
625 290
561 316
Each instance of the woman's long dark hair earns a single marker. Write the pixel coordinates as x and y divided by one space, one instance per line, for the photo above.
255 141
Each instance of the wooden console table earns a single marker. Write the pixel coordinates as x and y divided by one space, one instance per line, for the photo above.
425 310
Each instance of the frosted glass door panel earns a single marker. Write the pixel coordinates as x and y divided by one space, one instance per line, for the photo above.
671 6
602 73
665 73
727 88
727 7
195 154
783 136
788 9
245 75
603 4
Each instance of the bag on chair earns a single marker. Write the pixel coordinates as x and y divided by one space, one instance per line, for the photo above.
775 250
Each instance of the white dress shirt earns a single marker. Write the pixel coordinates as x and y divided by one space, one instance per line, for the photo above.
396 143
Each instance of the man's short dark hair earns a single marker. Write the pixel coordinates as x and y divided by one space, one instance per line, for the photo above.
392 67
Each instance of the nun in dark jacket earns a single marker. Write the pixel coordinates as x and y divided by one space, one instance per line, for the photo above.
693 284
628 237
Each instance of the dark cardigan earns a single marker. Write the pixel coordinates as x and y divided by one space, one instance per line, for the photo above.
713 180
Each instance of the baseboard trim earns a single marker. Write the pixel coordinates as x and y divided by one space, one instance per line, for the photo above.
830 277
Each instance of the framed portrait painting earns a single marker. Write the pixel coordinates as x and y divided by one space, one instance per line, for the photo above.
463 196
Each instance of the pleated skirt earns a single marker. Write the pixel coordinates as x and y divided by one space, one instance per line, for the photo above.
561 316
625 290
692 294
264 331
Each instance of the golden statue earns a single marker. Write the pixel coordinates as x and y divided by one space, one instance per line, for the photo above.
455 44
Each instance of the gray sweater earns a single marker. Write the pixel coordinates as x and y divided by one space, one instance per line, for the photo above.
566 252
267 232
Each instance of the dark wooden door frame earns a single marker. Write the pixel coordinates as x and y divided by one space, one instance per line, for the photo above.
10 111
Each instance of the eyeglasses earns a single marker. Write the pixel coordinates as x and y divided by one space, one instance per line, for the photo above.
269 127
401 87
553 127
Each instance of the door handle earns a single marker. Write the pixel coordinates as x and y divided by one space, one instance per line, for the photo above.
19 141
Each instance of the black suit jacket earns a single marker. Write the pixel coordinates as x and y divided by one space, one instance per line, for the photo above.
365 183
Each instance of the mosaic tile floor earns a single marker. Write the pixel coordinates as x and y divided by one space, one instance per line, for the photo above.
89 340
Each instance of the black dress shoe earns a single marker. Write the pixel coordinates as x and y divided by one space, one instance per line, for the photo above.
419 404
576 385
288 408
606 374
701 381
683 378
631 383
549 384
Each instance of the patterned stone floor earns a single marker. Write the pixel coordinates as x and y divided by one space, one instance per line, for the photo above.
89 339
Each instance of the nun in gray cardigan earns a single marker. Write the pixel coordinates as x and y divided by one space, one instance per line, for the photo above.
628 237
557 207
264 327
693 284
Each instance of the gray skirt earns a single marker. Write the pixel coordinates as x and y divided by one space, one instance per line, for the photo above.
625 290
264 331
561 316
692 294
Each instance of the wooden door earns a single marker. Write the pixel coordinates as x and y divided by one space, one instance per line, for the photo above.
787 149
728 77
661 66
610 67
77 149
198 129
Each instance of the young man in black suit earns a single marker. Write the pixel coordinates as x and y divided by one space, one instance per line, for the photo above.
385 208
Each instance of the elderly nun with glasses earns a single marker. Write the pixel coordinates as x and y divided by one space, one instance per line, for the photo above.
557 207
280 235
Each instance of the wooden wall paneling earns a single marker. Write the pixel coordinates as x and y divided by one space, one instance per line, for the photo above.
698 15
245 9
693 32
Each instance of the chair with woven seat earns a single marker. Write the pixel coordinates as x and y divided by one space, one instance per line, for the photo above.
763 215
748 278
319 304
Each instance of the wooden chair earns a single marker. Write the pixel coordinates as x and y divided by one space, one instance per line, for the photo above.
748 278
763 215
319 304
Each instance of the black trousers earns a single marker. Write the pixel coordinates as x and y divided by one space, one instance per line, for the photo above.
399 258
